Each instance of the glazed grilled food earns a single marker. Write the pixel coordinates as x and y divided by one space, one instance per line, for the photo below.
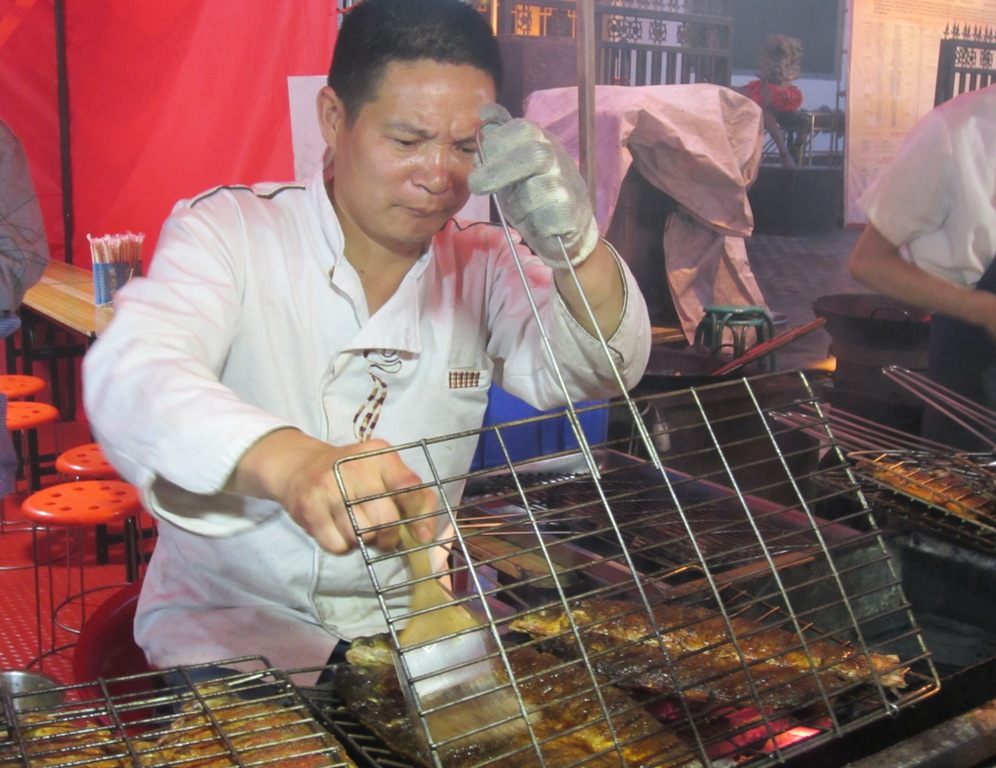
706 666
50 742
936 484
561 700
237 732
260 732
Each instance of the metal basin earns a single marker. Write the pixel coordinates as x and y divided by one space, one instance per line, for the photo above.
29 690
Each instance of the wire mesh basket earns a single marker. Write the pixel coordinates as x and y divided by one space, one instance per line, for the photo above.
686 591
174 717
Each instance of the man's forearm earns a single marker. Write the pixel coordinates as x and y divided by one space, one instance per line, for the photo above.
601 280
876 263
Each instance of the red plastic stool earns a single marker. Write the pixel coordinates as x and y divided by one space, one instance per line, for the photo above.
73 507
16 386
85 462
24 417
107 660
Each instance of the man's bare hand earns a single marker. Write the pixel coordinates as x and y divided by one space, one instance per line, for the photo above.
297 471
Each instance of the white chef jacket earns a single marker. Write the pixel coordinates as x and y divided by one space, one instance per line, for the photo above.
938 196
251 319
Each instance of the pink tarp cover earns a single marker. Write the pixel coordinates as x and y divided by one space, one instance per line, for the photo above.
699 143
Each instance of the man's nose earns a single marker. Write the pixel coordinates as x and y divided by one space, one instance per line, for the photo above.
436 168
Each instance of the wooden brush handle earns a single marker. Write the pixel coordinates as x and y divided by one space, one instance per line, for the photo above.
427 593
427 590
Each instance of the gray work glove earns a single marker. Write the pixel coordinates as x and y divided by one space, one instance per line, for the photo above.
539 187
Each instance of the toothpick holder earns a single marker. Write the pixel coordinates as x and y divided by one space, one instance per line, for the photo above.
108 277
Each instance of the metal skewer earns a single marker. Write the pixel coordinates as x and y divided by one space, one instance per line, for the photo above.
968 414
571 412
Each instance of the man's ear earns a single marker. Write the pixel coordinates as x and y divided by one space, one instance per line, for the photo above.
331 115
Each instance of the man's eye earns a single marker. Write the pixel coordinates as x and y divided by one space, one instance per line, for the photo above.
408 143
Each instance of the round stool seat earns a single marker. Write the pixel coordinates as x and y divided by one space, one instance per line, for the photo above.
73 507
84 502
17 385
27 414
85 462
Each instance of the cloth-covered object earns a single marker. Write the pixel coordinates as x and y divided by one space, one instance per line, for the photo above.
700 144
719 268
9 323
23 258
252 319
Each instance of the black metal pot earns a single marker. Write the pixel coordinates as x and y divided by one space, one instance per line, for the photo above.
672 369
870 331
873 320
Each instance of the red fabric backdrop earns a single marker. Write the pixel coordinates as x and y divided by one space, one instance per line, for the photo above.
166 100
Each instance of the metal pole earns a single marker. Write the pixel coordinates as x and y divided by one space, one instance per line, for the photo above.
65 160
586 92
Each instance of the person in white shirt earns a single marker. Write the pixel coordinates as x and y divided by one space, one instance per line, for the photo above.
284 326
931 241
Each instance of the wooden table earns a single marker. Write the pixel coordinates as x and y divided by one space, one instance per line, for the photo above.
64 296
63 300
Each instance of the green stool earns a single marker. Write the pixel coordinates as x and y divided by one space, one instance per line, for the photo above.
738 321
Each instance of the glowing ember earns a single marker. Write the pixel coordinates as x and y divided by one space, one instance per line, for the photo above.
789 737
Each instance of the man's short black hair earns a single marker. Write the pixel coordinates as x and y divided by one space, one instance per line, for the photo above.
375 33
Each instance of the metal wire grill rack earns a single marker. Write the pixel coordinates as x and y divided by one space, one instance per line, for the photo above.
671 595
954 493
169 718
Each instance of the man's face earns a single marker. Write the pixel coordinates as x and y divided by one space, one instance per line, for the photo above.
400 169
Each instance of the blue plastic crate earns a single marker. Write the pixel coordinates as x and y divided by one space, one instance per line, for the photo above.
526 441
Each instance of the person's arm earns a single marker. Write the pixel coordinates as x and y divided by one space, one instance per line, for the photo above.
602 285
297 471
543 196
196 446
877 263
23 246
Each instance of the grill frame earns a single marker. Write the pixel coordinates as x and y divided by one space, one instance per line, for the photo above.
947 509
130 718
476 574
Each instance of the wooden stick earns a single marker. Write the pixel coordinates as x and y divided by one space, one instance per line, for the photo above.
766 347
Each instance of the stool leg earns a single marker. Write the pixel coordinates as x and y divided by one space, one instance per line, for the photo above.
38 606
80 550
132 549
33 462
101 541
18 439
44 652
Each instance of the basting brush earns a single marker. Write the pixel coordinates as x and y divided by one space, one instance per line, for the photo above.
458 683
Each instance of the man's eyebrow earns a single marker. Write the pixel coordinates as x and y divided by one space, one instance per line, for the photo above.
403 127
400 126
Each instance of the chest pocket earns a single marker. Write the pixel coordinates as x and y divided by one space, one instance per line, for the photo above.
464 397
